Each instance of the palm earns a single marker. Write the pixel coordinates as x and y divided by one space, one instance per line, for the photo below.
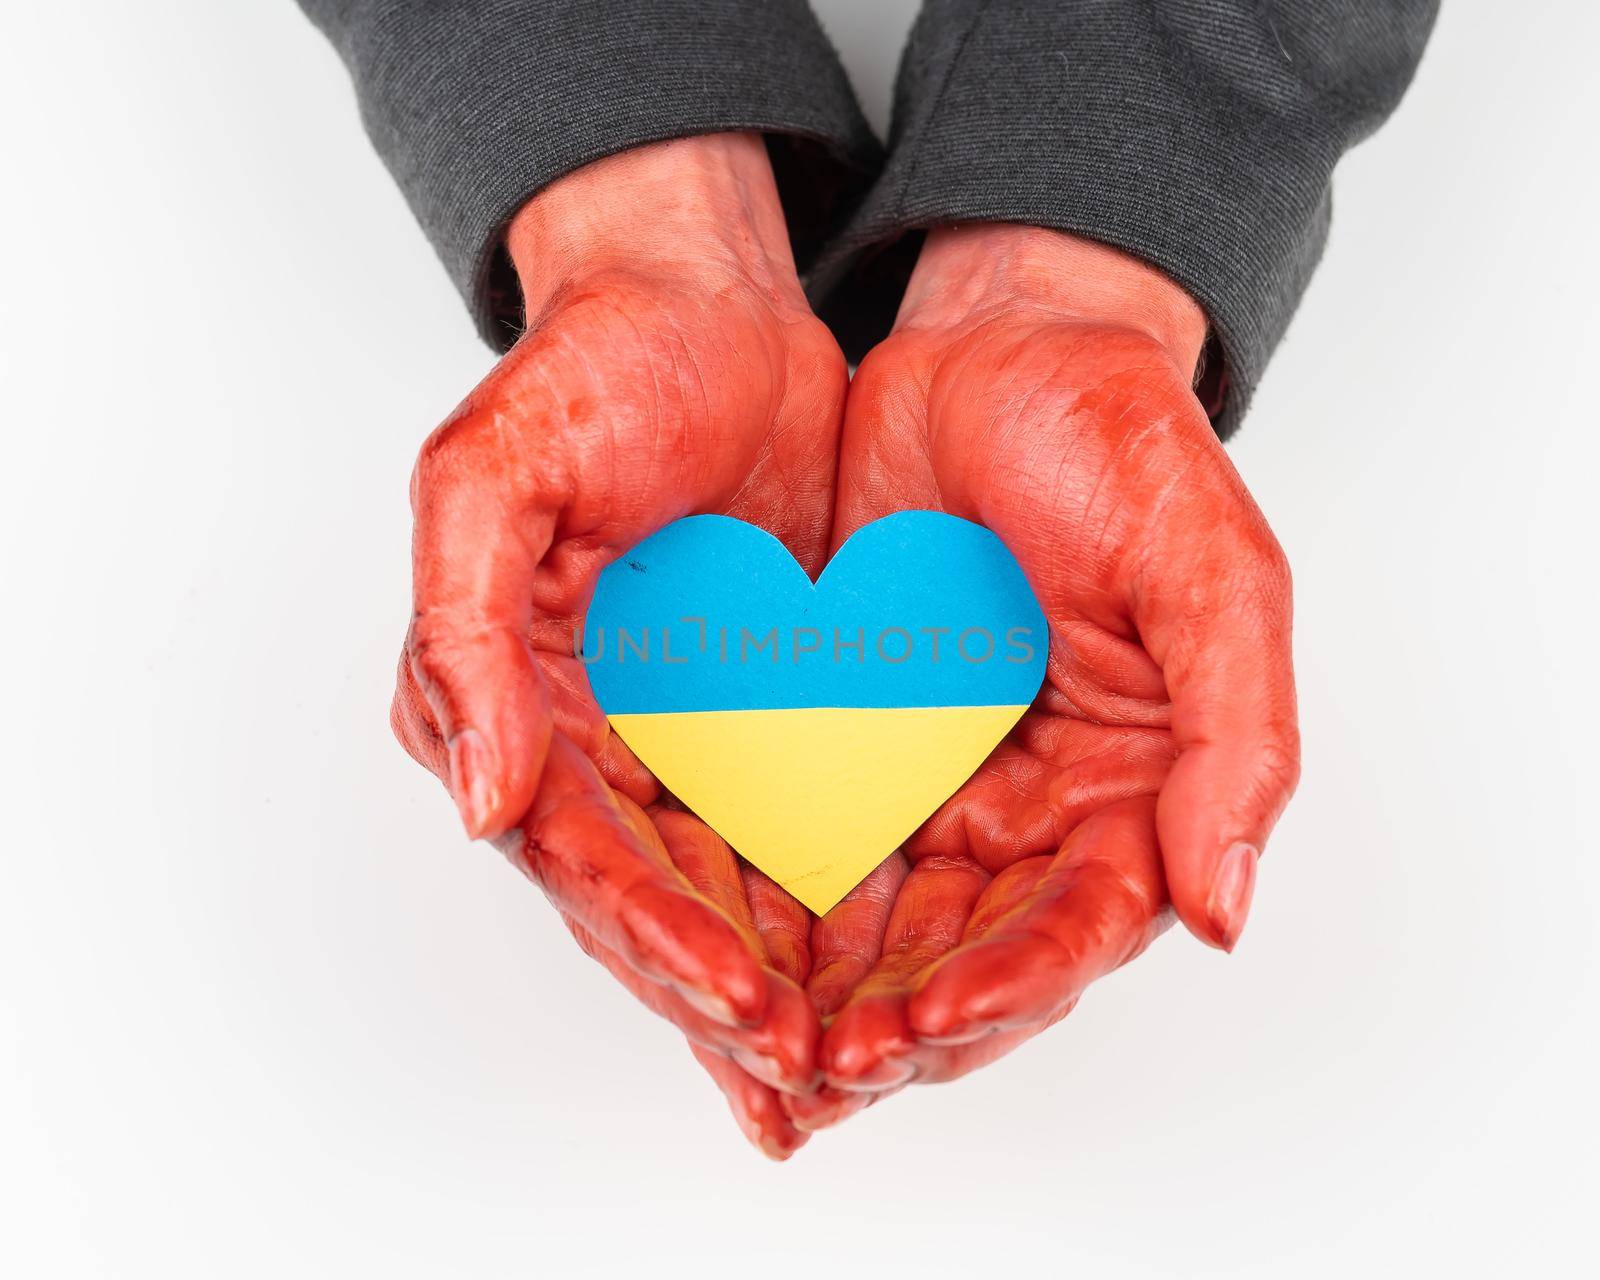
1083 448
663 408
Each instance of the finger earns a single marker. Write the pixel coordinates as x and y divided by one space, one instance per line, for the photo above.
779 1049
1049 774
783 923
716 872
869 1044
1223 639
575 843
825 1107
644 831
847 941
756 1108
932 1063
708 864
576 716
412 721
1005 893
474 557
1099 904
940 1064
935 1064
1095 675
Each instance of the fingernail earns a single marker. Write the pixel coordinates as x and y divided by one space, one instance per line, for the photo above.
771 1145
776 1149
766 1068
472 781
714 1006
1231 890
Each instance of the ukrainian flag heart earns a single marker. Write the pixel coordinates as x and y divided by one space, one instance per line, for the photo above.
815 727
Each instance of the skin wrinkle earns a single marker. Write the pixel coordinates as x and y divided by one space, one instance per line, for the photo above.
539 463
655 416
1026 411
772 464
690 410
1077 437
1076 408
559 587
1079 652
1059 790
1144 427
605 437
975 837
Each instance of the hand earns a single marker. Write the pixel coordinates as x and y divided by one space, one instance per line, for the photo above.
670 366
1041 385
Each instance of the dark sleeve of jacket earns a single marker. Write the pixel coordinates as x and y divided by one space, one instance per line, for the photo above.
1198 135
475 105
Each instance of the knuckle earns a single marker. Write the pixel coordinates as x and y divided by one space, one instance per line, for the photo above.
1276 574
409 712
417 731
400 719
445 454
431 643
508 447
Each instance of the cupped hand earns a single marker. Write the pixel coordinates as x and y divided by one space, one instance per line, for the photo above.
1041 385
670 366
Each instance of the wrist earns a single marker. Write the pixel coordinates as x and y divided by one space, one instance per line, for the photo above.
702 209
976 272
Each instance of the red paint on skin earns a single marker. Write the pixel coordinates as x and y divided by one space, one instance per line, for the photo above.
1035 383
1041 385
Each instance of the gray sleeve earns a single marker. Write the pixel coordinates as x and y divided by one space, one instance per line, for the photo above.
475 105
1198 135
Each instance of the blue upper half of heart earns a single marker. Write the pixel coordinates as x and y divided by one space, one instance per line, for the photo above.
918 609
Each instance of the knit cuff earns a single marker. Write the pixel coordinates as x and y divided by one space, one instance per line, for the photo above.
476 105
1201 139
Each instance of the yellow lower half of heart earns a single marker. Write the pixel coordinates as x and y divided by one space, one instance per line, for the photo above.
818 796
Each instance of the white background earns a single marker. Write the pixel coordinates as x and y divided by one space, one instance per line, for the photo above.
265 1012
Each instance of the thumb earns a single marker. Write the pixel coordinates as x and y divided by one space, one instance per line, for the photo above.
473 562
1227 660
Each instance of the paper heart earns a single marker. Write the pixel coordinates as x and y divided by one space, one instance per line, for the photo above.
815 727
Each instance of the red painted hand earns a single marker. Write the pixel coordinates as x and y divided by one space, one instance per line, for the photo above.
671 366
1041 385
